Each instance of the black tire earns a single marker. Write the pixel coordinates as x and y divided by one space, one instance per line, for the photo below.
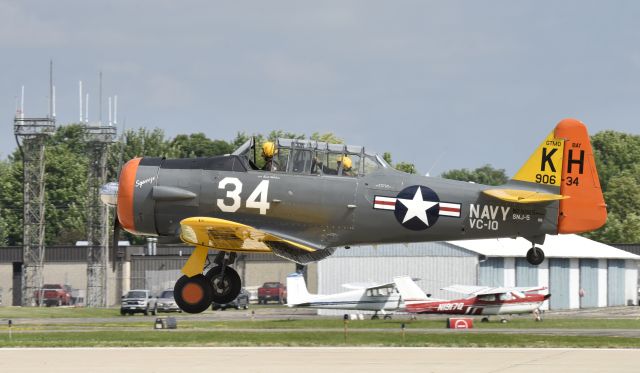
122 313
193 294
535 256
375 317
224 290
387 317
484 319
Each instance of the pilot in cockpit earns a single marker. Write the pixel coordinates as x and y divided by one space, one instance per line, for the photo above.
346 165
268 151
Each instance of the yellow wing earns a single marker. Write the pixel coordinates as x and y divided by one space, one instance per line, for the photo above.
522 196
227 235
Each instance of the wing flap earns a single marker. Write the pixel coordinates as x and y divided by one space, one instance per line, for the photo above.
523 196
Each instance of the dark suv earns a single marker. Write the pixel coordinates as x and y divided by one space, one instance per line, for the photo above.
241 301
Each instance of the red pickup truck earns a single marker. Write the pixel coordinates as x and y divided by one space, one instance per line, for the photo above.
275 291
54 295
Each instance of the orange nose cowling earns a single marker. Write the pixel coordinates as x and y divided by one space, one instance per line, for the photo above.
126 188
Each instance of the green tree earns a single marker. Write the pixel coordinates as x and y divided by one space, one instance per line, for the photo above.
328 137
199 145
617 157
409 168
483 175
387 157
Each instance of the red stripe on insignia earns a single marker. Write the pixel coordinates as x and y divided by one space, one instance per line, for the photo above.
450 209
385 203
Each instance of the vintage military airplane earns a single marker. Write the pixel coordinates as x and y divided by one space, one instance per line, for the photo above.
480 300
319 197
379 298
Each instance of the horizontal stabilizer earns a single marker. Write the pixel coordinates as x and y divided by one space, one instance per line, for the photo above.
523 196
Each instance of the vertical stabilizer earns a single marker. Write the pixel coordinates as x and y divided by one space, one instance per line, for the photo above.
297 292
564 163
408 289
585 209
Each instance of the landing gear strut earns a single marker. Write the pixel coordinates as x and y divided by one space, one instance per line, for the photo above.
535 256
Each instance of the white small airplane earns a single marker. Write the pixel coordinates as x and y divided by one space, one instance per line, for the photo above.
379 298
479 300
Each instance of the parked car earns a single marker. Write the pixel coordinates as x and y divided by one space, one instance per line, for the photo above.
138 300
241 301
165 303
53 295
275 291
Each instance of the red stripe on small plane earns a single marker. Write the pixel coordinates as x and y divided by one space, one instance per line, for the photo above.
389 203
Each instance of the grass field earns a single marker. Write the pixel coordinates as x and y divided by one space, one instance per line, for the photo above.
33 330
294 338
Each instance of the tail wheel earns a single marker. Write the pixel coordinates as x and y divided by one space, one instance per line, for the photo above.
225 288
193 294
535 256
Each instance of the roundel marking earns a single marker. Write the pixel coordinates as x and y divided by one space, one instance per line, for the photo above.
417 207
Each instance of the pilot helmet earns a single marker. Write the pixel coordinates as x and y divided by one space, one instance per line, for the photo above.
268 149
346 162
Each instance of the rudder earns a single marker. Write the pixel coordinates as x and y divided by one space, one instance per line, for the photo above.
297 292
585 209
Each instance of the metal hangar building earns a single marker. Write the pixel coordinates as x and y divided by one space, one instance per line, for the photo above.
578 272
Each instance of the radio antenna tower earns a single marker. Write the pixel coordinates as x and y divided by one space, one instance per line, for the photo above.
31 135
98 138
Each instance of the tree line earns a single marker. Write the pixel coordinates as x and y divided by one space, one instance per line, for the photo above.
617 156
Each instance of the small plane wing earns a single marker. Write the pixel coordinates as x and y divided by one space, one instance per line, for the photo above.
221 234
372 285
486 290
522 196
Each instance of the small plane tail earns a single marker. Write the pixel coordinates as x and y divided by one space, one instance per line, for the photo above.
297 292
564 161
409 290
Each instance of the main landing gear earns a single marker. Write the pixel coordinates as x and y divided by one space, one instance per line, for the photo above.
535 256
221 284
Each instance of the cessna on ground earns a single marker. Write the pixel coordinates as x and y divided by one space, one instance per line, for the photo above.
316 198
480 300
380 298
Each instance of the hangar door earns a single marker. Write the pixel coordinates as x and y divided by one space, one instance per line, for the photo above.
559 283
589 283
615 282
491 272
526 273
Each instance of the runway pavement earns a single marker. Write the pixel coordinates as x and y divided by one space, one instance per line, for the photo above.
322 360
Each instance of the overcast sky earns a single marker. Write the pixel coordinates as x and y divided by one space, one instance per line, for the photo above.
447 84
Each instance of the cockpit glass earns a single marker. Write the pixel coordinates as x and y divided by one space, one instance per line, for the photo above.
301 161
370 164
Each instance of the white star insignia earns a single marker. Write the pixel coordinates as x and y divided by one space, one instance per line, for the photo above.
417 207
